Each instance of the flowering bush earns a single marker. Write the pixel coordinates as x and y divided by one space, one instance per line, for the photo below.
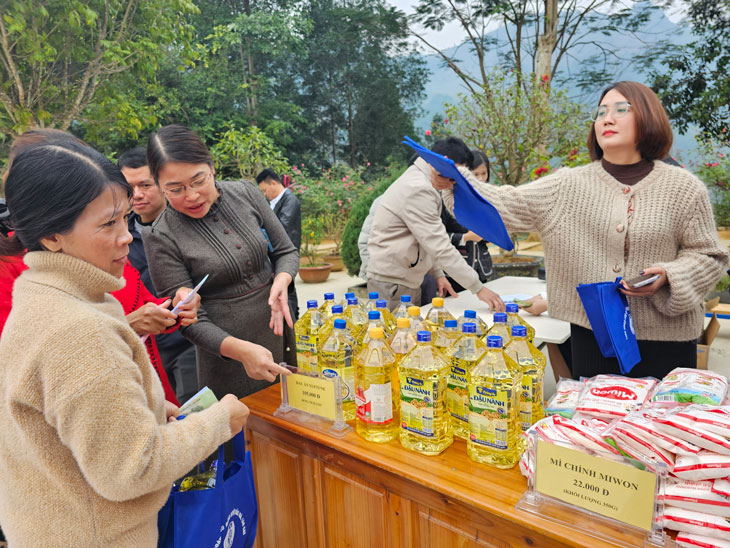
714 170
312 232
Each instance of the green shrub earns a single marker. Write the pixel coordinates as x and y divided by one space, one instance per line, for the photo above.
358 214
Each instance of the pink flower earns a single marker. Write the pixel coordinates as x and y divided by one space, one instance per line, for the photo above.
344 179
370 188
428 132
446 121
349 200
721 155
339 202
301 191
368 164
294 168
545 78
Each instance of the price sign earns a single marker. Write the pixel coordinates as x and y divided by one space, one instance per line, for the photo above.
312 395
611 489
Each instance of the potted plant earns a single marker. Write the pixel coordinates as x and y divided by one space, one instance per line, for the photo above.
334 226
312 271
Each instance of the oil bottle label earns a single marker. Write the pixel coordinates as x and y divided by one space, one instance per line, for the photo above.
489 416
375 405
526 401
416 405
307 352
457 394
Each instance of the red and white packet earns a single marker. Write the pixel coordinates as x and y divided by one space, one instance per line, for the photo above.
614 396
703 466
689 521
695 495
691 540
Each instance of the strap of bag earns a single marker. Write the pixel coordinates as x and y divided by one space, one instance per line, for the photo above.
239 453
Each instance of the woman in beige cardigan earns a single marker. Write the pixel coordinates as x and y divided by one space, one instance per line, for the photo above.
627 213
88 448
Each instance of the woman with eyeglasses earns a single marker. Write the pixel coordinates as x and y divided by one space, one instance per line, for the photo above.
627 213
228 231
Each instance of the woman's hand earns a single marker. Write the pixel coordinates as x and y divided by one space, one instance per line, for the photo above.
471 237
171 411
495 302
538 305
647 290
257 360
444 287
188 312
279 303
238 412
151 319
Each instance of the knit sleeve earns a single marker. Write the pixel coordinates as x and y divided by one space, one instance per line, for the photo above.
106 421
700 262
528 207
168 271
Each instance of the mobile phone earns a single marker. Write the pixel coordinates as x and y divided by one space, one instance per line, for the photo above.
641 281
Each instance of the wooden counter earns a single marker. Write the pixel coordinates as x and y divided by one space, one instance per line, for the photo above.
318 491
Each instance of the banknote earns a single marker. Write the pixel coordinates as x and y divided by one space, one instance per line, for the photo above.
202 400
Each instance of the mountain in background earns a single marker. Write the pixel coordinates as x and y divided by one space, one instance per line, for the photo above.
444 86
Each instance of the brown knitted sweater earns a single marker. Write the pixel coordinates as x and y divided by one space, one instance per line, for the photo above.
87 458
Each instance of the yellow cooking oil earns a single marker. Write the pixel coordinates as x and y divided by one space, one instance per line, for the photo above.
357 318
336 360
417 321
424 420
325 310
381 305
376 389
438 313
494 419
402 310
514 318
470 316
499 327
374 320
306 330
373 297
402 340
463 355
328 325
532 363
446 336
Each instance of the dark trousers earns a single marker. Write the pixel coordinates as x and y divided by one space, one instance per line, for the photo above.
657 357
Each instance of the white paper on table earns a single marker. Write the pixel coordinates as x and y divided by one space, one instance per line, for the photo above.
516 297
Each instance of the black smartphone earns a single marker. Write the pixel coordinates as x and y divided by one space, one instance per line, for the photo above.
641 281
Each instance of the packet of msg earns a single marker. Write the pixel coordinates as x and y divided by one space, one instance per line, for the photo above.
683 385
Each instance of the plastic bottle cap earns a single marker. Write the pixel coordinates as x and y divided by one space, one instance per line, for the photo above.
437 301
373 295
403 323
512 308
423 336
373 315
414 310
405 298
311 304
329 296
499 317
351 301
450 323
340 323
519 331
337 309
349 295
494 341
381 303
376 332
469 327
470 314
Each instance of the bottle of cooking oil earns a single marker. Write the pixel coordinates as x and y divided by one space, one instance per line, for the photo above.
348 295
402 310
335 360
446 336
374 320
326 309
199 482
532 363
514 318
425 425
306 330
376 389
417 321
495 383
357 319
373 297
402 340
464 354
499 327
438 314
329 324
470 316
381 305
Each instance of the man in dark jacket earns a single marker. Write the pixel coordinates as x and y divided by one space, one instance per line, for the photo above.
286 208
176 352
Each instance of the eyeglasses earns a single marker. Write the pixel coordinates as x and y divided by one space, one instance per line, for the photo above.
620 109
181 190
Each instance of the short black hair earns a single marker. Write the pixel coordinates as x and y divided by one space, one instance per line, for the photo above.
454 149
265 174
134 158
175 143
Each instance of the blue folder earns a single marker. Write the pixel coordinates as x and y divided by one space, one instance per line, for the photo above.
470 208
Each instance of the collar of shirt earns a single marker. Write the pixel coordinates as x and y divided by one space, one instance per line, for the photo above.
275 201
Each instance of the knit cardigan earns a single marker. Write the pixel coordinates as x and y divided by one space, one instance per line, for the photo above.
582 217
87 457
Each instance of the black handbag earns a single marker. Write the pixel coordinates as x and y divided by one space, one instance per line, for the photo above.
479 258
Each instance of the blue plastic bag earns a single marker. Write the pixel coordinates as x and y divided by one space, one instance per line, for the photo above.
608 312
225 516
470 208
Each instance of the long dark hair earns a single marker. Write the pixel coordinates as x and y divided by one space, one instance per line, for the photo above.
48 187
175 143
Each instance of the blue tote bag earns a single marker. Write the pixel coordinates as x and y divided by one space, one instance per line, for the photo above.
225 516
610 318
